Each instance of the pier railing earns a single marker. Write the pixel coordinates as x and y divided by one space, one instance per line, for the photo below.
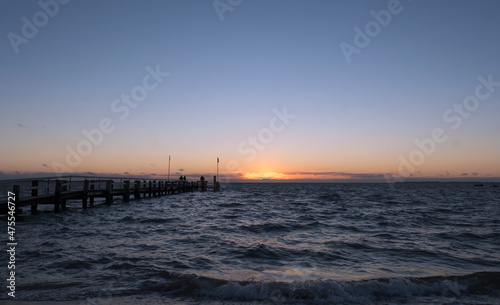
57 190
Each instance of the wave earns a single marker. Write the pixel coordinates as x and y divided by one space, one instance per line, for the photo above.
329 291
468 289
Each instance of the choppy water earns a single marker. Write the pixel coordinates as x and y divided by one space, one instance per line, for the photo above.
271 244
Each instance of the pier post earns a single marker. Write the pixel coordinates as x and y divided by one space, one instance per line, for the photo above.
64 188
109 194
137 189
57 196
126 197
85 193
150 187
34 193
92 187
216 184
144 188
16 189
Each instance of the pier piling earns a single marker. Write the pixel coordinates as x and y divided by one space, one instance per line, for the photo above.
85 194
34 192
126 185
137 189
91 198
17 193
109 190
57 196
64 188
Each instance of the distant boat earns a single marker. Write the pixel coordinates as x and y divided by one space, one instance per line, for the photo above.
494 185
479 184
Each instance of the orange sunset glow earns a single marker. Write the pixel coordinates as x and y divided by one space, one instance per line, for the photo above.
265 175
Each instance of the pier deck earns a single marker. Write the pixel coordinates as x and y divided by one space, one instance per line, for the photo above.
57 191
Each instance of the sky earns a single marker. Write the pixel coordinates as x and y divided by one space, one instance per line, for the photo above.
277 90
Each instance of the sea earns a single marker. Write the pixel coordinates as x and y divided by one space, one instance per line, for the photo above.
266 243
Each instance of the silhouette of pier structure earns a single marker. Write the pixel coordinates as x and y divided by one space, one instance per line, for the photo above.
57 191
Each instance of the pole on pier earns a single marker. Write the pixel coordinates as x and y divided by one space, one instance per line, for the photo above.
109 194
34 193
85 193
217 179
168 168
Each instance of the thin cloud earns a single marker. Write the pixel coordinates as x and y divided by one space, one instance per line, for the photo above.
337 174
445 174
181 169
20 125
44 165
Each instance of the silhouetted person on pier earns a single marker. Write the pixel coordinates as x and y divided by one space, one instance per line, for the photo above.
203 185
180 178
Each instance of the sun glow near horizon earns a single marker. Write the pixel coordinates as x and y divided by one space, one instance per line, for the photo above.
265 175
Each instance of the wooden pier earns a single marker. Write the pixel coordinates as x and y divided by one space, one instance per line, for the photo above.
57 191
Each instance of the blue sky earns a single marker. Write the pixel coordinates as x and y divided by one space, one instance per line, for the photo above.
226 77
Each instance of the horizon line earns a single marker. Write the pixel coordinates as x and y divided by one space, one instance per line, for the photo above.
377 178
